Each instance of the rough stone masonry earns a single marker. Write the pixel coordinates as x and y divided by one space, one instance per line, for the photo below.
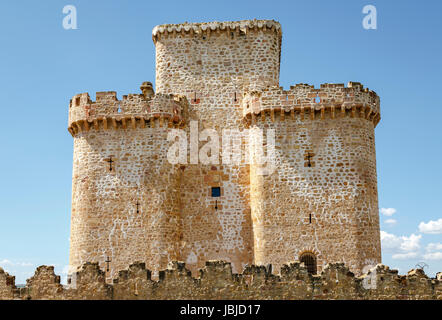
217 281
129 203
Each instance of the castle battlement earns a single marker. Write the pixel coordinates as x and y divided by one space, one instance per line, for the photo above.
303 100
218 281
205 29
132 111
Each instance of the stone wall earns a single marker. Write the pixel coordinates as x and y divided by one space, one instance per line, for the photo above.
216 281
7 285
129 213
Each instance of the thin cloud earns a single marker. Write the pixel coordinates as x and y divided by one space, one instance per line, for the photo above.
388 211
6 262
405 256
433 256
401 247
434 251
433 247
391 221
431 227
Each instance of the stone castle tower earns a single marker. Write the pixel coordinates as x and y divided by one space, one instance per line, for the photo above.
129 203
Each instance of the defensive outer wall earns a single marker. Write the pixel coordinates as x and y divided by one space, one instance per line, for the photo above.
216 281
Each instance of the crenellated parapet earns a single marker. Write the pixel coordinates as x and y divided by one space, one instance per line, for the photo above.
306 101
134 110
217 281
206 29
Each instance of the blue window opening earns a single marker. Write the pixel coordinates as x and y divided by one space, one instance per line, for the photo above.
216 192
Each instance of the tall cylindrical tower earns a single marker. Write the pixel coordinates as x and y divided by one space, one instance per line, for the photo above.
125 194
212 64
320 204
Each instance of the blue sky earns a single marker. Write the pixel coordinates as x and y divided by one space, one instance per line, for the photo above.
43 65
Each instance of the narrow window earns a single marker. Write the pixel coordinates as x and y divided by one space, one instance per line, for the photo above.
309 261
77 101
110 163
309 159
108 260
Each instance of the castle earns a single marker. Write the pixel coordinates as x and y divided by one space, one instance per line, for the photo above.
129 203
